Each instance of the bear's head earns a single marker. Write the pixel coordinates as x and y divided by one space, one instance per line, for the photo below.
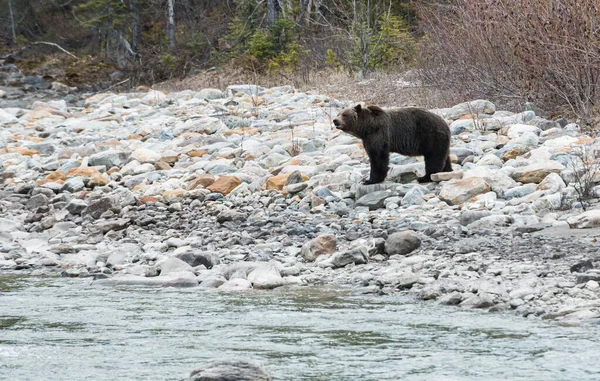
357 120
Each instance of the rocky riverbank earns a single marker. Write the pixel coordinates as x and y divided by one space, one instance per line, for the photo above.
253 188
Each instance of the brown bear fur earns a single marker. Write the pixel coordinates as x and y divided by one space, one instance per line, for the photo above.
407 131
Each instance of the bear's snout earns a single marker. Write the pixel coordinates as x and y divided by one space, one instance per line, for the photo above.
337 124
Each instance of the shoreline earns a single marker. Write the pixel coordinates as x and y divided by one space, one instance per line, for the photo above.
169 190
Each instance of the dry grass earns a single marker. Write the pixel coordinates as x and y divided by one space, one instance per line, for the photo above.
384 89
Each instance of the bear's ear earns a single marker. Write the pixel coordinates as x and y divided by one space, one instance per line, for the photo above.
358 108
375 110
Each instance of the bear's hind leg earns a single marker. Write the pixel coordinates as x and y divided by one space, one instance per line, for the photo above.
433 164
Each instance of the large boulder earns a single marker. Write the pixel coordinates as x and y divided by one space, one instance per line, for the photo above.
456 192
402 243
323 244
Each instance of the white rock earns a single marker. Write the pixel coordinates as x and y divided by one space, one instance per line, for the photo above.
490 160
154 98
145 155
589 219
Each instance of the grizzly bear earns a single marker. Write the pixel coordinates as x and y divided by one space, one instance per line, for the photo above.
407 131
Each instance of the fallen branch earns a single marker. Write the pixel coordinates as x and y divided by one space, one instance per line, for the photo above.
116 84
55 45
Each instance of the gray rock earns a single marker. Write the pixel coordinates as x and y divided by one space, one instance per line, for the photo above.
357 256
294 178
230 215
582 266
265 276
174 265
520 191
296 188
97 207
236 284
402 243
76 206
479 106
72 185
37 201
213 281
374 200
232 90
185 279
452 299
197 258
471 216
45 149
110 158
230 370
414 196
209 94
104 227
484 300
406 173
123 197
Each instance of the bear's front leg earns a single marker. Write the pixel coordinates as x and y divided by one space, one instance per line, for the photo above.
379 156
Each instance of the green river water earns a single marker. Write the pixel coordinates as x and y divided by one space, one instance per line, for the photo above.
68 329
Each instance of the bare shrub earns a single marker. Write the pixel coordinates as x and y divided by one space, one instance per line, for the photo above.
382 88
584 162
545 51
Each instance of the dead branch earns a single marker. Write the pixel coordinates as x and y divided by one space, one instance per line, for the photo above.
56 46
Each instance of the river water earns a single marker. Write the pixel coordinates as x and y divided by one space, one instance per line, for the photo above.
68 329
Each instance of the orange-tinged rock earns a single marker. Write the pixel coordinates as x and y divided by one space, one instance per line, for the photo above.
294 161
250 130
173 194
111 144
513 153
147 200
583 141
37 115
98 181
161 165
3 151
249 158
83 172
457 192
35 139
197 153
139 187
113 170
536 172
204 180
26 151
224 184
467 116
233 132
277 182
53 177
255 100
135 137
170 159
563 149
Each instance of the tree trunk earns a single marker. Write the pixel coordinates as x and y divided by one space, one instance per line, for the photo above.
12 22
171 26
273 10
136 33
